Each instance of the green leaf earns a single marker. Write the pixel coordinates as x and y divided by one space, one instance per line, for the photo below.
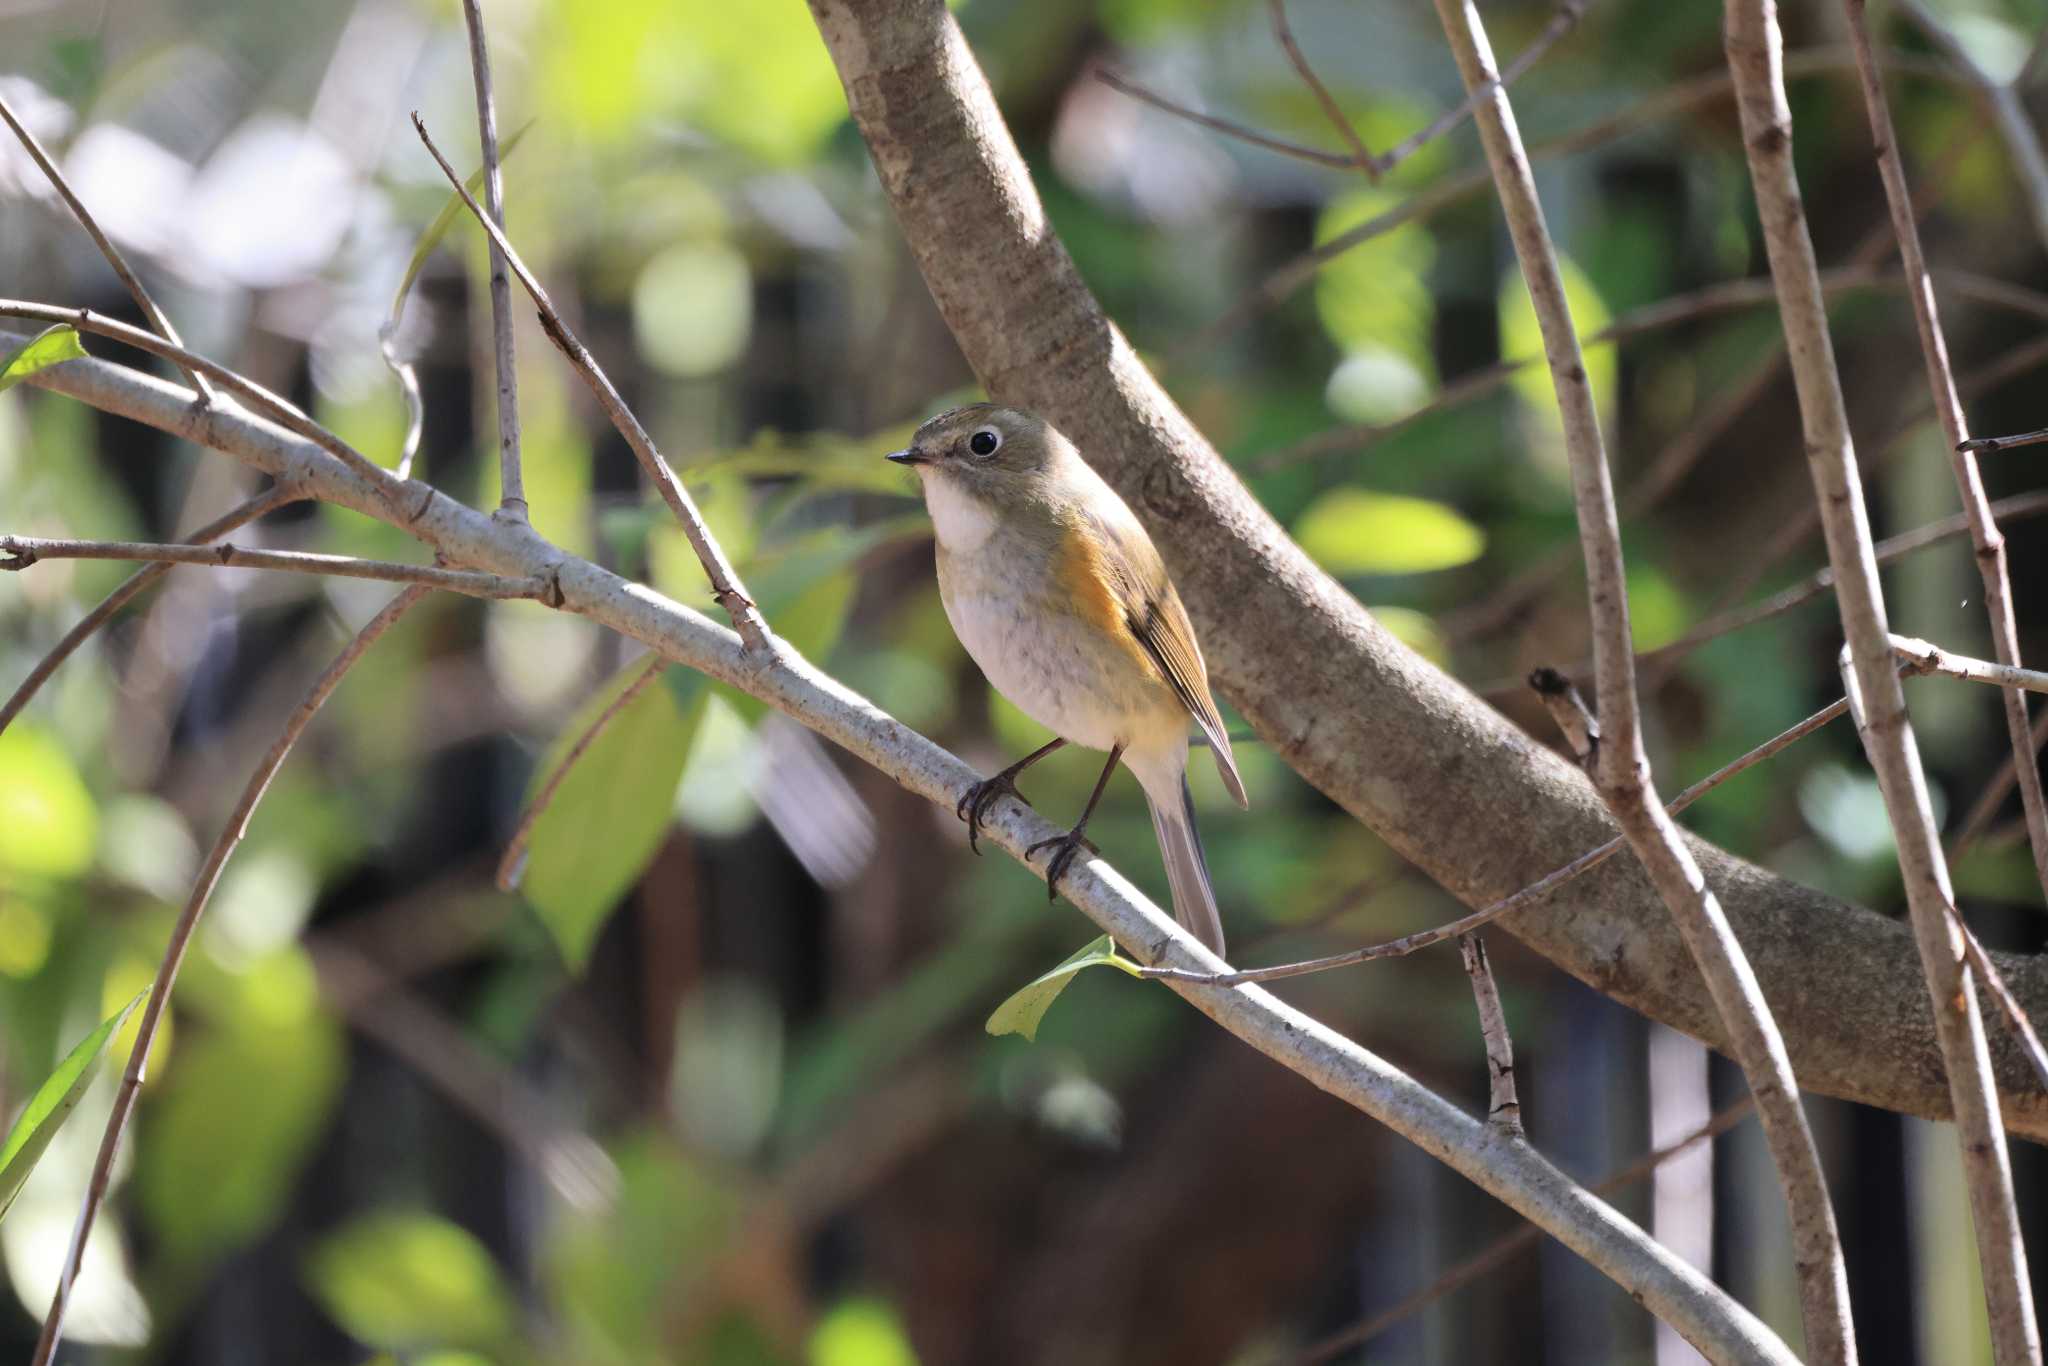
49 824
861 1332
52 1103
404 1281
1376 295
823 460
609 815
1352 531
1521 338
443 221
45 349
1023 1011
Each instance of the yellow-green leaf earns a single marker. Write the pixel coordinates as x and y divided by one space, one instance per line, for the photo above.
49 824
609 815
1355 531
403 1281
51 1105
45 349
1522 339
1021 1013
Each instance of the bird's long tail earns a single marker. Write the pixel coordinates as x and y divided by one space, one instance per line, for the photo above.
1173 821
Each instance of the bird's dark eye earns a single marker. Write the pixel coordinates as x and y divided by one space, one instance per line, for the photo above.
985 441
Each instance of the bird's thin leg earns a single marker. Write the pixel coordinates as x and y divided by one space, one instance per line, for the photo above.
974 806
1065 846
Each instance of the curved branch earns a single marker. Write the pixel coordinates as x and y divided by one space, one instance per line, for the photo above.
1447 781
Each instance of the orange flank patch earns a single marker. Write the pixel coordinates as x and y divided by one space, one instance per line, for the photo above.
1085 576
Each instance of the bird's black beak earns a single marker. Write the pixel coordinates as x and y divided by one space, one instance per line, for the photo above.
907 457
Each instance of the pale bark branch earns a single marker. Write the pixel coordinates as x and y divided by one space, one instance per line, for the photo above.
1503 1107
1452 786
1754 46
24 551
505 355
1513 1171
1613 749
131 587
1927 657
181 937
726 587
1984 534
129 280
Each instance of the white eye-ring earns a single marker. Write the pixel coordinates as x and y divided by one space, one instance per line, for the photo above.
985 442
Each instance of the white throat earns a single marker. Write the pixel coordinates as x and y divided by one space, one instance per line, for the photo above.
961 521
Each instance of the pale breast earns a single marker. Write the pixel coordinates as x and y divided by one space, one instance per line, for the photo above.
1054 666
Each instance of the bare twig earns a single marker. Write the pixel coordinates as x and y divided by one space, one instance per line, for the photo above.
23 551
107 248
512 864
2003 443
1535 891
174 953
1497 1254
1672 100
1123 84
1754 46
1283 33
261 505
2008 111
1619 763
1503 1109
511 488
1927 657
726 587
2008 1004
266 404
1984 533
1993 796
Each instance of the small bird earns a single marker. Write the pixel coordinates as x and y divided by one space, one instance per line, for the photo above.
1060 597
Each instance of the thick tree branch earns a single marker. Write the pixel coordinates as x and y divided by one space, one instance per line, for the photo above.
1755 46
1511 1170
1448 782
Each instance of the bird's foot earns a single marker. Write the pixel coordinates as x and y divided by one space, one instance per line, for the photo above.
1064 848
974 807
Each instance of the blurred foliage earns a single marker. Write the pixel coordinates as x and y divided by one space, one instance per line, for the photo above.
713 1086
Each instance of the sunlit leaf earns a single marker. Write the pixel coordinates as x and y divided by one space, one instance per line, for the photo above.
1376 295
823 460
693 308
51 1105
1417 630
402 1281
45 349
1354 531
1521 338
608 817
49 825
1021 1013
445 219
239 1109
861 1332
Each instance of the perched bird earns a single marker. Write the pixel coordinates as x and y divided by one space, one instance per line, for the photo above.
1060 597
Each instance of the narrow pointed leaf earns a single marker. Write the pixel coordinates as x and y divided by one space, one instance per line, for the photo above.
51 1105
45 349
1023 1011
444 220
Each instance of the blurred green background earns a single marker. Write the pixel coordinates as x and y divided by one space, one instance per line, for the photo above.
714 1087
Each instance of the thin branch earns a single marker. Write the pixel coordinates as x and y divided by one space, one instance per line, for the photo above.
1994 793
726 587
129 279
1564 21
131 587
1516 1174
1994 985
1754 47
2003 443
1283 33
1503 1109
174 953
1124 85
24 551
511 489
1535 891
1984 533
390 488
512 864
1282 283
2015 125
1619 763
1502 1249
1931 658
